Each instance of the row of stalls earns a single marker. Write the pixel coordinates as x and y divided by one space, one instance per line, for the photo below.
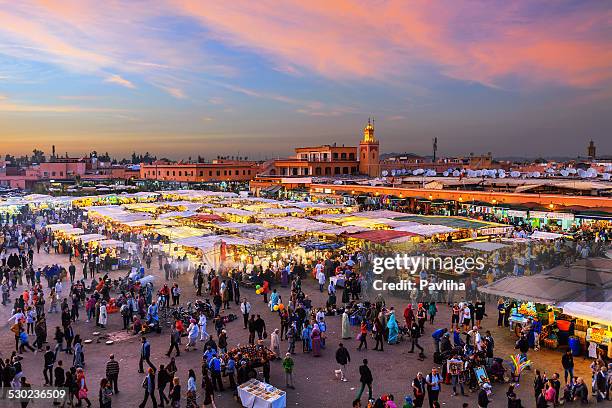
571 302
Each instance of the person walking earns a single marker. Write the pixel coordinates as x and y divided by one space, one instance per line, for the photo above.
149 388
60 378
163 378
567 361
112 373
288 365
145 355
415 333
175 340
49 361
342 358
105 394
82 388
365 377
363 335
175 393
419 385
434 385
245 309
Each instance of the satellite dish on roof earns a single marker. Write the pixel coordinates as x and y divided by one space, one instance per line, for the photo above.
605 176
445 174
456 173
502 173
572 170
384 173
564 173
582 173
536 174
591 172
393 172
515 174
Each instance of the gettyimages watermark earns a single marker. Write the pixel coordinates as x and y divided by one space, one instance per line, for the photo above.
416 264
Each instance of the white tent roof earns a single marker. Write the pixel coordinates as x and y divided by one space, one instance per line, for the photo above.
425 229
91 238
598 312
298 224
545 235
484 246
110 243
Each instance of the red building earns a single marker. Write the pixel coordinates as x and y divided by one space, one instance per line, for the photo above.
216 171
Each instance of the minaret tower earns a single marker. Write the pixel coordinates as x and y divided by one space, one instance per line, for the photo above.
369 162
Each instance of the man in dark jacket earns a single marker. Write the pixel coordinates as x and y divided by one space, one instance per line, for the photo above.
49 358
567 361
365 377
343 358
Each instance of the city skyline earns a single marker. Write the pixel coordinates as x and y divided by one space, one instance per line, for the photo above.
182 78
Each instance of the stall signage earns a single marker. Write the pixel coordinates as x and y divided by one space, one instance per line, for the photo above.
598 335
551 215
495 230
517 213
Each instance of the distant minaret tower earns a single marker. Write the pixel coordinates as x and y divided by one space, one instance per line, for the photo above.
369 161
53 152
591 151
435 148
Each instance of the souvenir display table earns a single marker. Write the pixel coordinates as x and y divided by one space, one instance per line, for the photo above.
257 394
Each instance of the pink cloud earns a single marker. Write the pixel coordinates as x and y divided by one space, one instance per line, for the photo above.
486 42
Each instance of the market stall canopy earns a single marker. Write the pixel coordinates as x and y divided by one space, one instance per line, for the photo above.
205 217
381 236
449 221
208 242
379 214
349 229
232 211
585 280
281 211
74 231
177 214
298 224
110 243
425 230
485 246
177 232
147 222
263 234
59 227
598 312
545 235
91 238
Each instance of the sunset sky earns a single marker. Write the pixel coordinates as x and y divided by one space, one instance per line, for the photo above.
184 78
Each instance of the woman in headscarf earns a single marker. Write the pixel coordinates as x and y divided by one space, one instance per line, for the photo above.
346 326
315 335
393 329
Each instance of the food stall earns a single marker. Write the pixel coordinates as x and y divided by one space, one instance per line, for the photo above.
258 394
592 324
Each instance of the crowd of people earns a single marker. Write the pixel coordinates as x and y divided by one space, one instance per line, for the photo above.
36 291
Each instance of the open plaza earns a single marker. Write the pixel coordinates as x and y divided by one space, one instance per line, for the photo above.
212 291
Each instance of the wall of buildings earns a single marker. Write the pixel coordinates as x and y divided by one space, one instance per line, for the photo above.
200 172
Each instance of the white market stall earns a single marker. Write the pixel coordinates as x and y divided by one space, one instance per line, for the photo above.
485 246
